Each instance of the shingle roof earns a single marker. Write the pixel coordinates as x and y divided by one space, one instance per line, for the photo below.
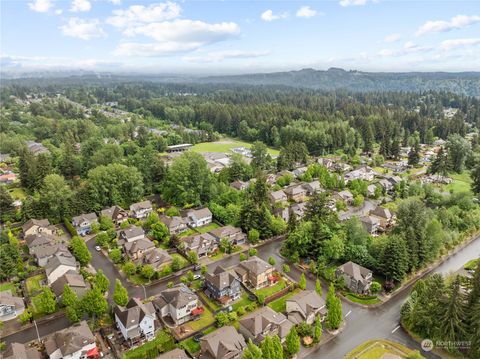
178 296
220 278
20 351
259 321
70 340
157 257
355 271
141 244
199 213
58 260
222 342
39 239
382 212
225 231
308 301
87 217
174 354
132 232
71 278
8 298
133 313
255 265
141 205
112 212
35 222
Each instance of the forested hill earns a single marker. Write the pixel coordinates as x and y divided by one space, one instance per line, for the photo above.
467 83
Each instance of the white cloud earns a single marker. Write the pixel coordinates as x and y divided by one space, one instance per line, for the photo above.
448 45
408 48
391 38
80 6
115 2
177 36
268 16
306 11
346 3
40 5
139 14
58 12
224 55
82 29
455 23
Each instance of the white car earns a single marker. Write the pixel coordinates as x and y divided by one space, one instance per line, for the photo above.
98 249
197 276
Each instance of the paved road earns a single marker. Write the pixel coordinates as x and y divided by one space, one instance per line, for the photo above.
362 323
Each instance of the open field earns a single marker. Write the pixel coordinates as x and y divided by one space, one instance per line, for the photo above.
461 182
375 349
224 145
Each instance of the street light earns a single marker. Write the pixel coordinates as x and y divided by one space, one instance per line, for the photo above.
36 328
144 291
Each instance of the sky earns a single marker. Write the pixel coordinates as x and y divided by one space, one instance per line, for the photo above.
214 37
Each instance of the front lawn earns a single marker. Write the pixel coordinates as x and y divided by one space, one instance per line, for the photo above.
163 342
471 265
34 284
188 232
278 305
208 227
190 345
268 291
367 300
206 319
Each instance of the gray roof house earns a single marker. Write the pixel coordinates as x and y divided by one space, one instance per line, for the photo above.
83 223
136 320
312 187
141 210
296 193
264 322
344 195
137 249
174 354
277 196
174 224
233 234
157 258
45 252
116 213
224 343
305 306
239 185
176 305
36 226
371 224
357 278
255 272
76 341
202 243
222 285
198 217
58 265
10 306
20 351
131 234
74 280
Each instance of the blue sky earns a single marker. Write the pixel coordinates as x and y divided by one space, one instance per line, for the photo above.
239 36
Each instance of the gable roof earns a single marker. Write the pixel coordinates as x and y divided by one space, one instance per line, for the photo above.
355 271
260 320
48 250
157 257
39 239
141 205
71 278
7 298
199 213
133 313
174 354
295 190
278 195
220 278
255 265
225 231
113 212
199 240
172 222
70 340
58 260
222 342
382 212
132 232
87 217
178 296
308 301
20 351
138 245
35 222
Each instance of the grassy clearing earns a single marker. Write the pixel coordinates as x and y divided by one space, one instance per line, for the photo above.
224 145
33 284
205 320
375 349
461 182
190 345
268 291
188 232
207 228
162 343
17 193
7 286
279 304
357 299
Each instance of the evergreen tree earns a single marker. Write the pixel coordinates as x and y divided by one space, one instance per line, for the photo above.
302 283
318 287
267 347
292 221
80 251
334 314
317 330
475 331
252 351
414 155
440 164
6 205
277 347
394 260
452 320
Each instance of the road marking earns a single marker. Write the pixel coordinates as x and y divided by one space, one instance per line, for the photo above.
396 328
346 315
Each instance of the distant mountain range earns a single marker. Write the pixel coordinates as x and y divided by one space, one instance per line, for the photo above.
467 83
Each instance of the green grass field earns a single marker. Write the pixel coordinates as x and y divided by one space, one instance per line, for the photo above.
205 320
461 182
33 284
279 304
224 145
375 349
17 193
366 301
207 228
267 291
242 302
7 286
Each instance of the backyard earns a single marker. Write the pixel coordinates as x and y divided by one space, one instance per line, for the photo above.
162 343
34 284
206 319
278 305
7 286
268 291
242 302
208 227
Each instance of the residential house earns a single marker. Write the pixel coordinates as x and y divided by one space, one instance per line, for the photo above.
74 280
305 306
384 215
296 193
157 258
174 354
234 235
37 226
83 223
175 224
255 272
281 212
43 253
136 320
386 184
131 234
198 217
345 196
224 343
177 305
36 148
328 163
312 187
222 285
141 210
364 172
277 197
357 278
74 342
264 322
202 243
10 306
393 179
371 224
137 249
58 265
298 209
239 185
20 351
116 213
300 171
7 178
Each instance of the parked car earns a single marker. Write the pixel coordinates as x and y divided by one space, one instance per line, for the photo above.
98 249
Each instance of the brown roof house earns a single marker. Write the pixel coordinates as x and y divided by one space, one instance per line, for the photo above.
116 213
255 273
175 224
157 258
345 195
58 265
296 193
74 342
141 210
174 354
233 234
177 305
202 243
384 216
74 280
10 306
222 285
264 322
20 351
357 278
136 320
224 343
312 187
37 226
305 306
137 249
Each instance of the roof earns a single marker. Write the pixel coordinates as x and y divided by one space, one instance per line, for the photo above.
295 190
7 298
222 342
174 354
345 193
174 221
198 240
308 300
71 278
58 260
141 205
178 296
220 278
238 184
133 313
87 217
69 340
199 213
382 212
225 231
157 257
132 232
261 320
20 351
35 222
355 271
112 212
255 265
138 245
314 185
48 250
39 239
278 195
